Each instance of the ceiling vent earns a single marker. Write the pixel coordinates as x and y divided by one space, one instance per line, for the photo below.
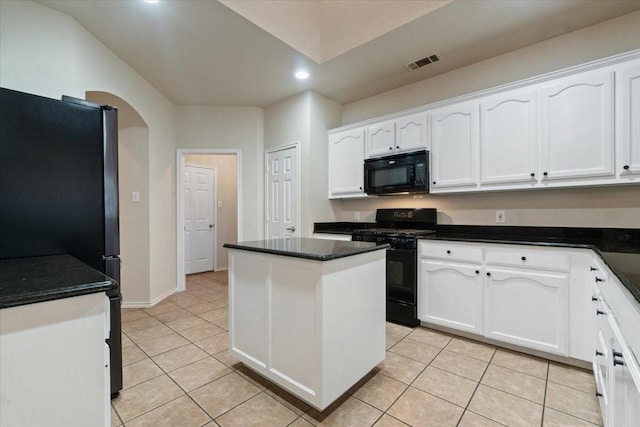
422 62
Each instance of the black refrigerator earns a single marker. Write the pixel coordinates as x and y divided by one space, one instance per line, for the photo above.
59 189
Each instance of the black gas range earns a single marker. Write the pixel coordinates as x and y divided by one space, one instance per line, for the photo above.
400 228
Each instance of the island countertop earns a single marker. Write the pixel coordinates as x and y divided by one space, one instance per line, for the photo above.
308 248
45 278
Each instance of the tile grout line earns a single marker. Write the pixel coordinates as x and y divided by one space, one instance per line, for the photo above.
466 408
544 399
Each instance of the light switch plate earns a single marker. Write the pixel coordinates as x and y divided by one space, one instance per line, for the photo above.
135 196
500 217
219 203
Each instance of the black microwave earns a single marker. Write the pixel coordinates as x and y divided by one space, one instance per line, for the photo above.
400 173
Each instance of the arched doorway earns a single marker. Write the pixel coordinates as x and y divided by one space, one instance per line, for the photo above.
133 186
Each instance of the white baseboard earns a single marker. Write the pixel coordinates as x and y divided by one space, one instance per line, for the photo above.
136 304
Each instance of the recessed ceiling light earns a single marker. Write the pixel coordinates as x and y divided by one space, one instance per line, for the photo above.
151 1
302 74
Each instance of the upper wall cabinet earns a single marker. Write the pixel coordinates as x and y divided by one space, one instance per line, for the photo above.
411 132
346 164
454 146
381 139
404 134
630 120
577 126
509 138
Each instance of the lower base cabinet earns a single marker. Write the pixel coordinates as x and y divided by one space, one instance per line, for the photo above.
527 308
451 295
614 367
503 292
54 363
535 298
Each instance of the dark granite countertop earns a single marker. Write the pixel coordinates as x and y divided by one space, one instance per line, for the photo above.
313 249
619 248
38 279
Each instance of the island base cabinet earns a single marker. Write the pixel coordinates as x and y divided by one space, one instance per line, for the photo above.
313 327
451 295
54 363
527 308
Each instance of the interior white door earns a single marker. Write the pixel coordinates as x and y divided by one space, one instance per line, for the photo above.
282 193
199 199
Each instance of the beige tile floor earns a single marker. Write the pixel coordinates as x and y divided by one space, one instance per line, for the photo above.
177 372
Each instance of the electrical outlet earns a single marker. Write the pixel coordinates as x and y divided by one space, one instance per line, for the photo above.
500 217
356 216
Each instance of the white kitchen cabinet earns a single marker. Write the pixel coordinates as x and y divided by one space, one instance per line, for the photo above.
54 363
509 138
454 147
577 116
615 367
451 295
346 164
381 139
412 133
602 355
399 135
574 128
630 120
313 327
527 308
624 404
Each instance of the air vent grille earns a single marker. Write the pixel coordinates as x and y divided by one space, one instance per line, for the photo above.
422 62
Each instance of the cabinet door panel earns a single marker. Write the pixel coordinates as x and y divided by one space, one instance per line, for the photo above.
292 344
248 312
411 132
509 138
451 295
527 308
454 146
381 139
346 164
631 120
577 127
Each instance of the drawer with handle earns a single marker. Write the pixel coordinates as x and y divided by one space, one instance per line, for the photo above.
517 256
450 251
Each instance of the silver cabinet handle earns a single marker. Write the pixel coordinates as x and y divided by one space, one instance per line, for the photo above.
291 229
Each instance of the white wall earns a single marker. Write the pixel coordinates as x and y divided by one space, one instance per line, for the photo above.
231 127
305 118
48 53
608 38
579 207
133 165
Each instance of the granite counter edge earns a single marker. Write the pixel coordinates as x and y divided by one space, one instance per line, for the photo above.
16 300
302 255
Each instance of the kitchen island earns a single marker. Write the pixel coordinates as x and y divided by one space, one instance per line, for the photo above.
308 314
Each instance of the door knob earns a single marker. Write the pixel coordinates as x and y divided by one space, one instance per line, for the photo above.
291 229
211 225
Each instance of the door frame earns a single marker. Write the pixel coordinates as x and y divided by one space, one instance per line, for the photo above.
180 164
267 151
214 218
